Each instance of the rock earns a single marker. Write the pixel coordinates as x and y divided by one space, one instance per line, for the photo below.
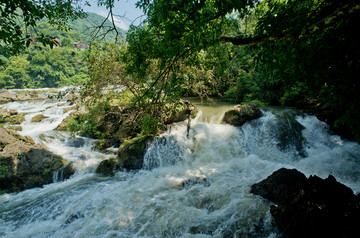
6 96
16 128
12 116
106 167
313 207
24 164
23 97
194 181
131 153
66 172
70 108
76 142
13 112
38 118
74 115
33 94
29 95
72 98
281 184
240 114
181 112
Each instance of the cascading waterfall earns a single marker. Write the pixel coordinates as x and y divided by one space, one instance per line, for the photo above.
190 186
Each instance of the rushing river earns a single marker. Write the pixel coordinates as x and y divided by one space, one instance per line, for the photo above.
190 186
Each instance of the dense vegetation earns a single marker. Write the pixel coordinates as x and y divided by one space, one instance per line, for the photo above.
41 66
279 52
294 53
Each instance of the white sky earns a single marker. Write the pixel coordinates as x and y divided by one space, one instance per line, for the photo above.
124 8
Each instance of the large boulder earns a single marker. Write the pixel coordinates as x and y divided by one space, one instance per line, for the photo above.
311 207
24 164
282 184
240 114
131 153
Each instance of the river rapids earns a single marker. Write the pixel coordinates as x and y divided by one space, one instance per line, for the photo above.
190 186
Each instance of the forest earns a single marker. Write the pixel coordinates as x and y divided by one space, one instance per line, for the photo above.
302 54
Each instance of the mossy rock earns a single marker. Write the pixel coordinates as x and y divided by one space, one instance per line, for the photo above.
131 152
240 114
106 167
181 111
15 128
15 119
38 118
24 164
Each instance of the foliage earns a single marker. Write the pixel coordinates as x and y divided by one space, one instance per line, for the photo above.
19 16
44 68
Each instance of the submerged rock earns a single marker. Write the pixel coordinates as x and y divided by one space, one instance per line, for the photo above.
194 181
24 164
240 114
311 207
76 142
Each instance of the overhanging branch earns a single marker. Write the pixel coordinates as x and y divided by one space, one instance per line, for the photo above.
326 22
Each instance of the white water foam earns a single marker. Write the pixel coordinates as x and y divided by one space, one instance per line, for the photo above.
196 186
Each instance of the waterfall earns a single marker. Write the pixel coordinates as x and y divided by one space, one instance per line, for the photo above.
195 186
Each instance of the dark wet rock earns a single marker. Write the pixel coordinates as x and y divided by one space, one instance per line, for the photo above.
194 181
25 164
76 142
74 217
240 114
313 207
66 171
289 131
106 167
131 153
281 184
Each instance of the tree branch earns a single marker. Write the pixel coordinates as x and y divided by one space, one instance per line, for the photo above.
326 22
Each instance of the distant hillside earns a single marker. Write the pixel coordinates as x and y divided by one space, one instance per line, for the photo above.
86 27
83 30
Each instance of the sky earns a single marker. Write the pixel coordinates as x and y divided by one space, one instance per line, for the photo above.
124 8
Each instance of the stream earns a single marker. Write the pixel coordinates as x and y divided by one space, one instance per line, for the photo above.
190 186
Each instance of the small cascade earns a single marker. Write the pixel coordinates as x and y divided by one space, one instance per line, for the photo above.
190 186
